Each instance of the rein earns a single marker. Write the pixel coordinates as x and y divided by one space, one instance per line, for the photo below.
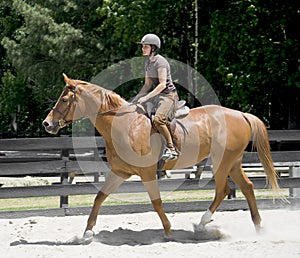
108 111
63 122
115 109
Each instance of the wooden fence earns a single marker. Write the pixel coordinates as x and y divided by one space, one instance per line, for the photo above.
66 156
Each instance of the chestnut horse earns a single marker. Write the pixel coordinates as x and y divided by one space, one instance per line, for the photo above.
133 146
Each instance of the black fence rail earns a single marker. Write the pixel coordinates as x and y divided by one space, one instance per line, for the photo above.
66 157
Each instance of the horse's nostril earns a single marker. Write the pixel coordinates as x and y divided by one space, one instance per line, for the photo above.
45 123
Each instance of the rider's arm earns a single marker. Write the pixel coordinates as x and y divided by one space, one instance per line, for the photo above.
144 90
162 77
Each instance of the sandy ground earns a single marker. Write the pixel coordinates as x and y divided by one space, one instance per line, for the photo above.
231 234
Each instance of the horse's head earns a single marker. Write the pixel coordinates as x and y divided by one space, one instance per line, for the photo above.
64 112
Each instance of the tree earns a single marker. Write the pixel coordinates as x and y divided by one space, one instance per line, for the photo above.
9 84
40 49
247 50
249 56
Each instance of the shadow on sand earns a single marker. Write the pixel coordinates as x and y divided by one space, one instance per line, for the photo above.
129 237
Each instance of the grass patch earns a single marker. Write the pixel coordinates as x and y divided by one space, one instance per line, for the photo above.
115 199
29 203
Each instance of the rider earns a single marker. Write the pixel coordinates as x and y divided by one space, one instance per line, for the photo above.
158 82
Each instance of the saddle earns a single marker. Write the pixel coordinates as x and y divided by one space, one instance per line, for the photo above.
149 109
182 110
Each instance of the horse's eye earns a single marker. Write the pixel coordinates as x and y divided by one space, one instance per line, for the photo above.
64 99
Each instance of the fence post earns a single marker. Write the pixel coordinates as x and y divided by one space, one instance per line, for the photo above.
96 158
232 193
294 172
64 200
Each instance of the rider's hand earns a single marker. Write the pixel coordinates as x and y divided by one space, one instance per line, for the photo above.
142 100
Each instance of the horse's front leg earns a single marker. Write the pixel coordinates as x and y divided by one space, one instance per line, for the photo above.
112 182
100 198
154 194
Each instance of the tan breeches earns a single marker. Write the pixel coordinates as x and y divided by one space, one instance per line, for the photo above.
164 114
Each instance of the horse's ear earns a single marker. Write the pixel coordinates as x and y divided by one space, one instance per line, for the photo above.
66 78
69 82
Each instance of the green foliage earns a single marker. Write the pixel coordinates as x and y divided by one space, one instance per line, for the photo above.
247 50
251 55
12 93
42 45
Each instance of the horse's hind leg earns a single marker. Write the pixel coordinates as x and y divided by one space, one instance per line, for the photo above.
111 184
240 178
222 189
221 172
154 194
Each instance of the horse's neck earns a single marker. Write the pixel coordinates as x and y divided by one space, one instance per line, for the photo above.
99 99
101 107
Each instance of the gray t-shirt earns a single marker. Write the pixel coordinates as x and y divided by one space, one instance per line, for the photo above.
151 68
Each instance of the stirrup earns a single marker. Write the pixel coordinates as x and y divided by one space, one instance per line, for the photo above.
169 155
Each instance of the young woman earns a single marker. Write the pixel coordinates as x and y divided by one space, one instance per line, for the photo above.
158 82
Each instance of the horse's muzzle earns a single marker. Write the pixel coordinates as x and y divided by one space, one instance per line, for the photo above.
50 127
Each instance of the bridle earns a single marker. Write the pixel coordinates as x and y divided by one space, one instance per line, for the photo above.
63 122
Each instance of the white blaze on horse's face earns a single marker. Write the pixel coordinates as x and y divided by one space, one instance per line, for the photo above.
62 113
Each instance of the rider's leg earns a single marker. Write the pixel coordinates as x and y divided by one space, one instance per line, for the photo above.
159 122
170 152
161 118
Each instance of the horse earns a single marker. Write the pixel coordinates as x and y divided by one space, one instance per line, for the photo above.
133 146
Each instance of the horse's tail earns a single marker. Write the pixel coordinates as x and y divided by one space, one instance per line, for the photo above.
260 141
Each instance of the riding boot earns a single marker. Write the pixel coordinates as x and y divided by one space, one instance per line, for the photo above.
175 138
170 152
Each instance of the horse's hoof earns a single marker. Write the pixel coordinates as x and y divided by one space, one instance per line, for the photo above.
167 232
203 233
259 229
89 234
86 239
167 228
199 228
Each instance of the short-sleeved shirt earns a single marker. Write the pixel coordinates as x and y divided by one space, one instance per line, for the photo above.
151 68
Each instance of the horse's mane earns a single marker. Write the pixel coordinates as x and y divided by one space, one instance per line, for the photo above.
109 99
